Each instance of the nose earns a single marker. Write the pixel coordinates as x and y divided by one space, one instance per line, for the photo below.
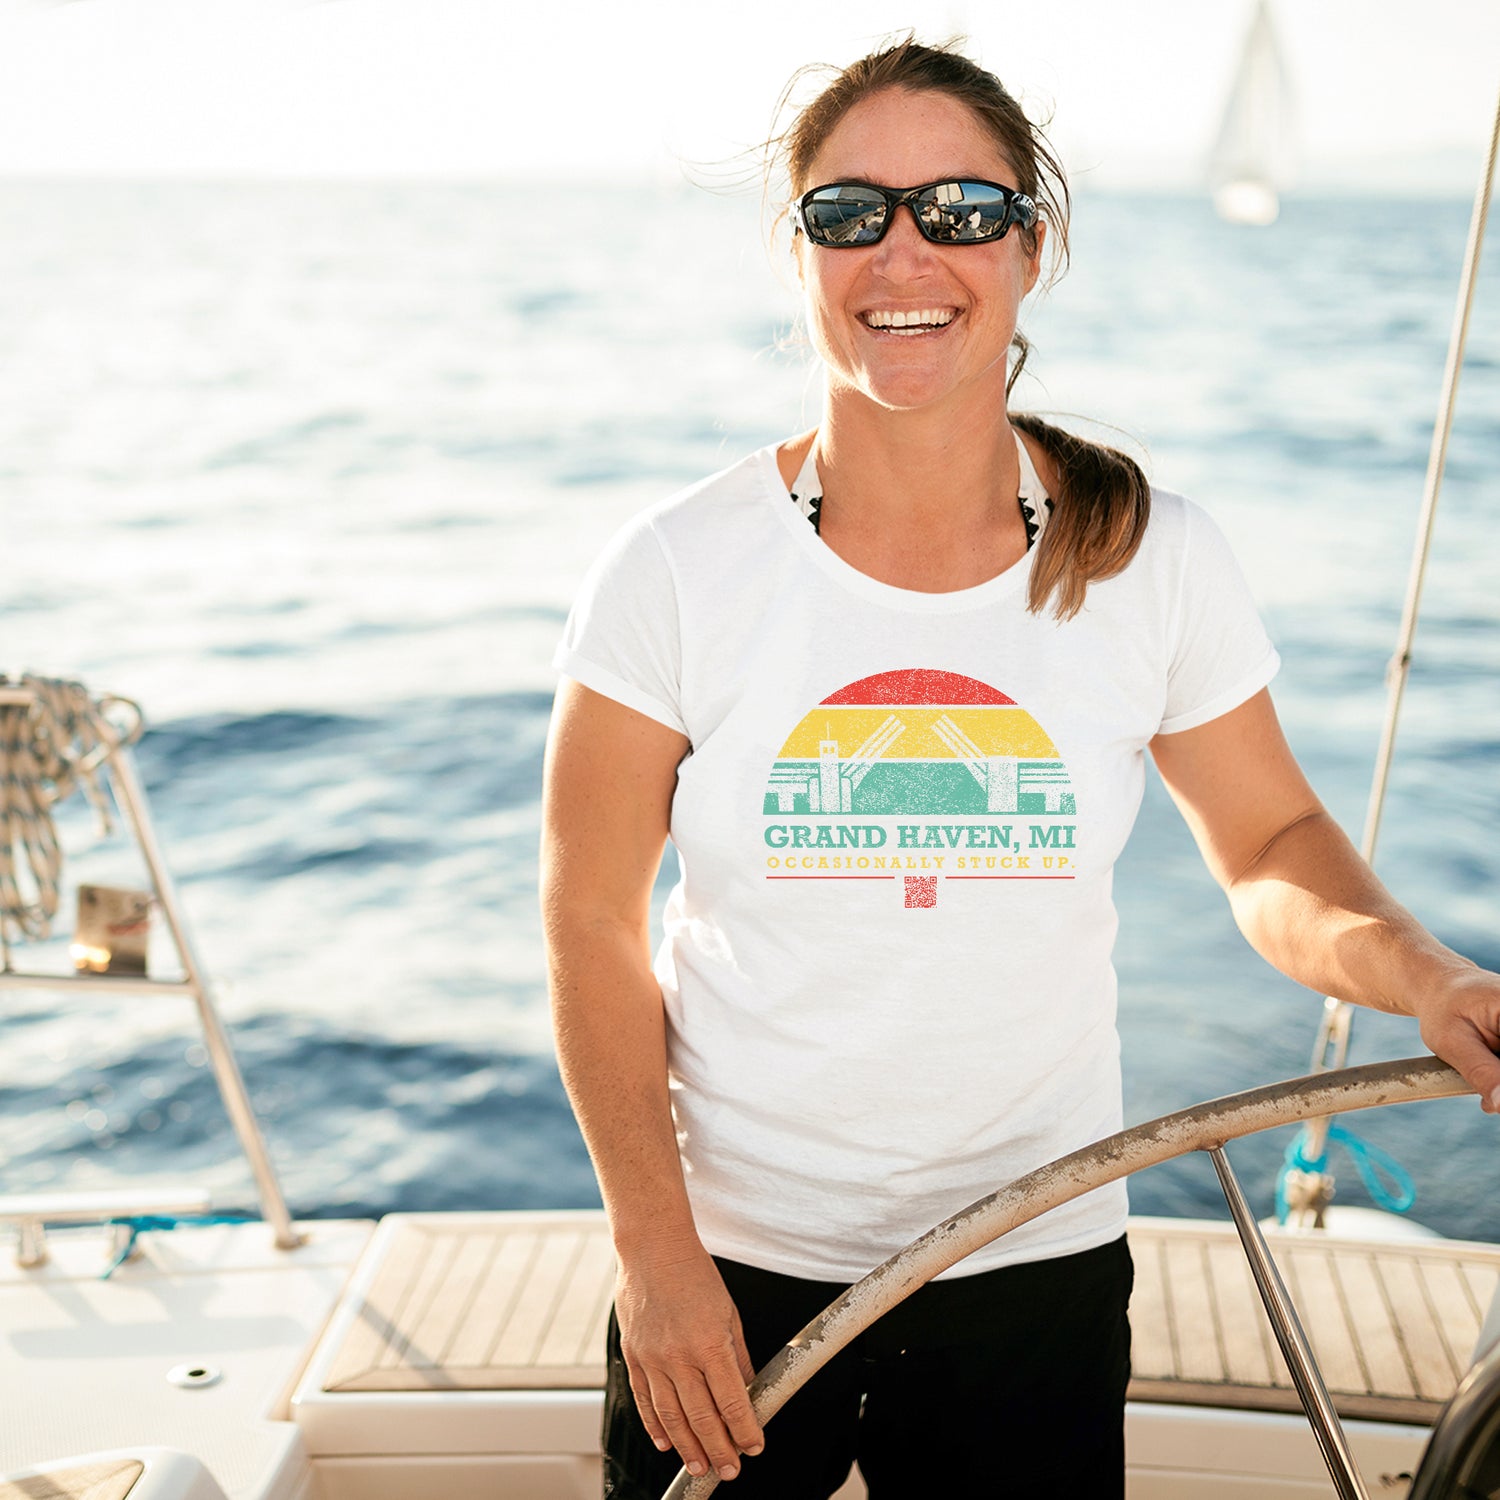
903 244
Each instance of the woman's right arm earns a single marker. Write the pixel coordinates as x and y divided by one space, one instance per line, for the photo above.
606 809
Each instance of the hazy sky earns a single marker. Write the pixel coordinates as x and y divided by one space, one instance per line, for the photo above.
486 87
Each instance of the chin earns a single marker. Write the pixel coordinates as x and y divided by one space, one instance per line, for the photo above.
906 392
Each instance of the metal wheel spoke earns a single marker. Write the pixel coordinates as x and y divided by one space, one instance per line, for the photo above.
1306 1376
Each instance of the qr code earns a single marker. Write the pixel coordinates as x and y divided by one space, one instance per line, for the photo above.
921 890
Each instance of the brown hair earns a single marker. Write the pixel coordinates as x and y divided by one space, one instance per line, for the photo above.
1103 499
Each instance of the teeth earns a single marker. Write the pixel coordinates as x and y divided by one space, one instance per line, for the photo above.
935 317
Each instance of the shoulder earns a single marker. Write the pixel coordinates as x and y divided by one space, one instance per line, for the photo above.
1171 515
1180 529
750 480
692 533
1182 553
718 511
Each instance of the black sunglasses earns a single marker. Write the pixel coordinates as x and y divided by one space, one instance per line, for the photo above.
849 215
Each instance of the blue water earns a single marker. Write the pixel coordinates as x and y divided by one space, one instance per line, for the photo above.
312 472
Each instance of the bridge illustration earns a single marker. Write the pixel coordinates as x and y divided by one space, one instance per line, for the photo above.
1005 783
829 784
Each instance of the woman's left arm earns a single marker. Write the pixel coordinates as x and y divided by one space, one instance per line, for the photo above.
1306 900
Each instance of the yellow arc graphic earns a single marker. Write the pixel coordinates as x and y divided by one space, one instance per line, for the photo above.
925 733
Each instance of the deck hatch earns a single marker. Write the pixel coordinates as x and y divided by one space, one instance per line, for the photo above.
482 1305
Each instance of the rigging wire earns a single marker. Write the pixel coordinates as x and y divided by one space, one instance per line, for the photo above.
1332 1046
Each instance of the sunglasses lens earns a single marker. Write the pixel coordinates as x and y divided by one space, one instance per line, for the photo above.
963 213
844 214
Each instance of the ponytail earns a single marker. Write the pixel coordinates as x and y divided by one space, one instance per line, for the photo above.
1099 516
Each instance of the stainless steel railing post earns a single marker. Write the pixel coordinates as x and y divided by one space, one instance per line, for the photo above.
226 1069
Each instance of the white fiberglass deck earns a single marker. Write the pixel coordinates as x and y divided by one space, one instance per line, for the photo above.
86 1364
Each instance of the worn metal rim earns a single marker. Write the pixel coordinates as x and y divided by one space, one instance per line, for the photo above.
1201 1128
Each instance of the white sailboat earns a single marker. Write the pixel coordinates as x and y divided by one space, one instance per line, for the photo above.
458 1355
1251 158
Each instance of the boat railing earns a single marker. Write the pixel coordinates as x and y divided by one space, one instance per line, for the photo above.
121 1208
113 764
1207 1127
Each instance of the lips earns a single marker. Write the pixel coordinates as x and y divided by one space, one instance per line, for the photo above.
907 322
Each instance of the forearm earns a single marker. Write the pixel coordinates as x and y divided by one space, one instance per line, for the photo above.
1312 907
607 796
611 1047
1306 900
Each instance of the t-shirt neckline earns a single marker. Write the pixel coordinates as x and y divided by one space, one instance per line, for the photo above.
887 594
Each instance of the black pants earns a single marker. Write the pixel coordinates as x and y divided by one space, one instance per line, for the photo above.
1011 1382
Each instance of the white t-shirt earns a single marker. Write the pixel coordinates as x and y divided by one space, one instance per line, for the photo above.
886 966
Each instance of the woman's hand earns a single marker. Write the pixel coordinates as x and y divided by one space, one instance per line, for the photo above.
1460 1021
611 773
610 777
686 1354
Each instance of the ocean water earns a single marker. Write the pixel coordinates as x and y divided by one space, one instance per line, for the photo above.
312 471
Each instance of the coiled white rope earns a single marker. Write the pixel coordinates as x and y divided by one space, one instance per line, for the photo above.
53 738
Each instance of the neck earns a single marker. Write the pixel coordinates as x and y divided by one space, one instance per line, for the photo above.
942 469
921 499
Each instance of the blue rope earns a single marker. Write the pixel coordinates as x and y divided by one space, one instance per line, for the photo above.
1369 1161
140 1223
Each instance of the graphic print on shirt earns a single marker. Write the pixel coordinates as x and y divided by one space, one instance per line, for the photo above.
919 776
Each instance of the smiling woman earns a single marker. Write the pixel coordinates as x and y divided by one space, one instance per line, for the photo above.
897 109
914 330
985 628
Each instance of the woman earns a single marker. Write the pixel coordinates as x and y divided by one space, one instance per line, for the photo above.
889 686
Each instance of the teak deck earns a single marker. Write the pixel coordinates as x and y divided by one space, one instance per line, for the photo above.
1393 1325
491 1304
111 1480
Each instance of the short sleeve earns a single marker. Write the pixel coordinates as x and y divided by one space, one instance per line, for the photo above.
623 638
1220 652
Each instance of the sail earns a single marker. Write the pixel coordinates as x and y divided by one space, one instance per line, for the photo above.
1250 161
